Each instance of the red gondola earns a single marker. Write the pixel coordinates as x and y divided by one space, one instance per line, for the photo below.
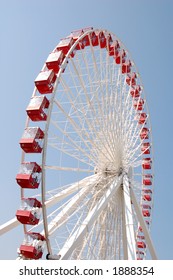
145 148
30 211
147 197
45 81
65 45
147 179
131 79
141 118
33 245
141 244
55 60
101 39
114 48
126 67
37 108
31 141
138 104
144 134
135 91
120 57
146 163
29 175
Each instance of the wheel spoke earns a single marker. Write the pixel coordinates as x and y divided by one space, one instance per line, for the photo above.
92 216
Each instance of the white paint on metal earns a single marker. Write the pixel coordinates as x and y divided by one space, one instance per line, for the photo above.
129 225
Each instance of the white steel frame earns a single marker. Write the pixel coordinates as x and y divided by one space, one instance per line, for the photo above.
122 129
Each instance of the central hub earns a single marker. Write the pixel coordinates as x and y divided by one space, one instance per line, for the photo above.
109 169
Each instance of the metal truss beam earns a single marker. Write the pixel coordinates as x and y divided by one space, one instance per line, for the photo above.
11 224
143 225
130 250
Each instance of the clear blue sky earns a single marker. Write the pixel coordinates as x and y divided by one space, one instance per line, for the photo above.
29 30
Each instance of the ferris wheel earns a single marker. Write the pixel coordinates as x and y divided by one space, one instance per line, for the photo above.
86 172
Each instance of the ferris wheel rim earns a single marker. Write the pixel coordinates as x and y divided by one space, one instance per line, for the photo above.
48 123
